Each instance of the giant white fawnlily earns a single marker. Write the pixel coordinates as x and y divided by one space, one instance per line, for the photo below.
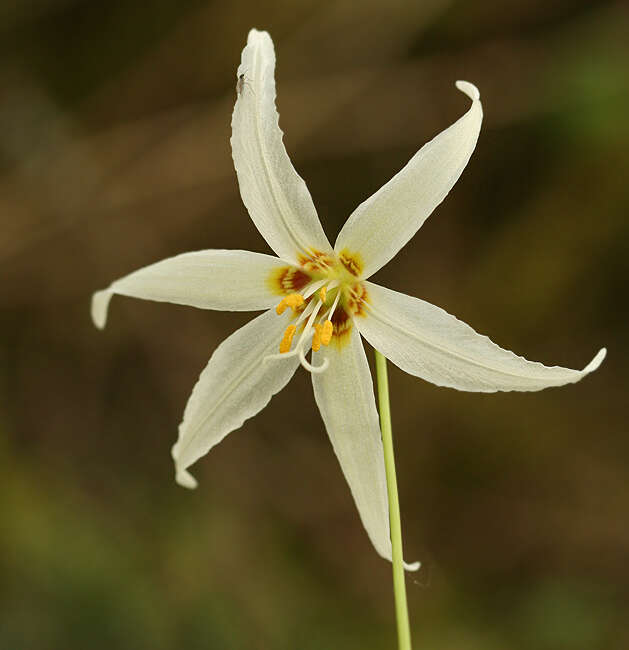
319 298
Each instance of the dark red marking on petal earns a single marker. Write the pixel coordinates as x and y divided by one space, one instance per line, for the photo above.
357 299
342 324
287 279
353 262
317 262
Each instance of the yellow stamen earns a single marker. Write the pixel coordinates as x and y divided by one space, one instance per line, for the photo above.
293 300
316 339
323 293
288 339
326 332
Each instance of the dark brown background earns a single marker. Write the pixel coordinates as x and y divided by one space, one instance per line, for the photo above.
114 153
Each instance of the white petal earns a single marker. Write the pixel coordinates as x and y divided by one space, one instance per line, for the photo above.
212 279
427 342
344 395
276 196
384 223
236 384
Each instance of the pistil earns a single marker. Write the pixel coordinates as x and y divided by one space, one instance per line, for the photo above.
310 304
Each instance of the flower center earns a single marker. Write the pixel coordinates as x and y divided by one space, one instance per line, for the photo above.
324 294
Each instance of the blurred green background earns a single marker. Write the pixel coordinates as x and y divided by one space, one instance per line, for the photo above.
114 153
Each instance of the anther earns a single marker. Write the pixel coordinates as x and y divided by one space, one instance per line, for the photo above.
326 332
293 300
316 338
323 293
287 340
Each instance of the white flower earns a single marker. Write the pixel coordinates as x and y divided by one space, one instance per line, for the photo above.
318 297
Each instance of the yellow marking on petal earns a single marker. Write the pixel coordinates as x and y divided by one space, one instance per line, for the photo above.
323 293
316 339
352 262
287 340
326 332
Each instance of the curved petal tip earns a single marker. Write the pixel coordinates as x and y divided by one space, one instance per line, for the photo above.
255 34
185 479
100 304
596 361
469 89
412 566
182 475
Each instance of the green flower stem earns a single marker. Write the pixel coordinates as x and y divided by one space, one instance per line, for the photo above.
399 585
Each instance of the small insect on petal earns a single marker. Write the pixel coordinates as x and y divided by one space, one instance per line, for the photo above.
241 83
